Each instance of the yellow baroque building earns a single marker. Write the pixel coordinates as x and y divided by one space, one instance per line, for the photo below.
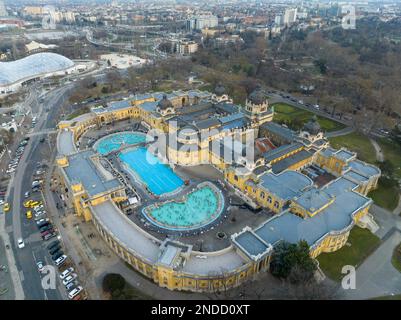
197 125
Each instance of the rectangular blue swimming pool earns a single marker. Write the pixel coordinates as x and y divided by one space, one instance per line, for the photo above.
158 177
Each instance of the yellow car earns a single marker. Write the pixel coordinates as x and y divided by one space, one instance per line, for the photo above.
27 203
6 207
34 204
29 214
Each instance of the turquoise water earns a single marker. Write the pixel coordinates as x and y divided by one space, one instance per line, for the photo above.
198 209
158 177
115 141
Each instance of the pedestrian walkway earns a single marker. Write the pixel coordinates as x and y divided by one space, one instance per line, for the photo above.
397 211
6 282
7 258
376 276
379 152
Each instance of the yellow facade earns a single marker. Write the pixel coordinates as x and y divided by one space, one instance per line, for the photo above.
200 153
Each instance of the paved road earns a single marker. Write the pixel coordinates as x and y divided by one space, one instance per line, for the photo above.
341 132
387 221
16 223
378 150
376 276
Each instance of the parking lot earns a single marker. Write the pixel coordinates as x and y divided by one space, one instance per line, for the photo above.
36 213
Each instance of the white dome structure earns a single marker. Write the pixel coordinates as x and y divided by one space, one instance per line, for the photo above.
15 73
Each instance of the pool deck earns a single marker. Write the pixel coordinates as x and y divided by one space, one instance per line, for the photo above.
65 143
137 241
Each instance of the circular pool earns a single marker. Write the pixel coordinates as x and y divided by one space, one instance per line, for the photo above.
195 210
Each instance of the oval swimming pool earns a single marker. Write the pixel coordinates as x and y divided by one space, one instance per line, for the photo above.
114 141
196 210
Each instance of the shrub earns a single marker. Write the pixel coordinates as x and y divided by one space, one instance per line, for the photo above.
113 283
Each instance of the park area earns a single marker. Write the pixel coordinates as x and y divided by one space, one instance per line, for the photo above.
358 143
361 243
295 118
387 194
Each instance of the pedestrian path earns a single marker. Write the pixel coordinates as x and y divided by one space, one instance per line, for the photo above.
6 282
9 260
379 152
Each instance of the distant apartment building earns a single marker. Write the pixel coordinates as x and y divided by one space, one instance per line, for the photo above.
278 20
31 10
3 10
229 39
59 16
275 30
302 15
69 16
186 47
202 22
210 32
290 16
34 46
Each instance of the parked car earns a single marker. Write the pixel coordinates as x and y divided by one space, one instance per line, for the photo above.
44 233
48 236
6 207
40 265
71 285
70 278
53 244
43 223
66 272
57 255
53 250
75 292
46 227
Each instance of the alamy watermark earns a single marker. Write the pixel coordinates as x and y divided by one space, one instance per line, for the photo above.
348 282
349 19
49 281
49 21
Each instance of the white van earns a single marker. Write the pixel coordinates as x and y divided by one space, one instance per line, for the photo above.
73 293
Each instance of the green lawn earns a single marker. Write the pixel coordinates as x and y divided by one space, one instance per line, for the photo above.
77 113
363 243
356 142
396 258
295 118
385 196
392 153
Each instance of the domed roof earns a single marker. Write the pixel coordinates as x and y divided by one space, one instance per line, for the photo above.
312 126
219 90
257 97
164 103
